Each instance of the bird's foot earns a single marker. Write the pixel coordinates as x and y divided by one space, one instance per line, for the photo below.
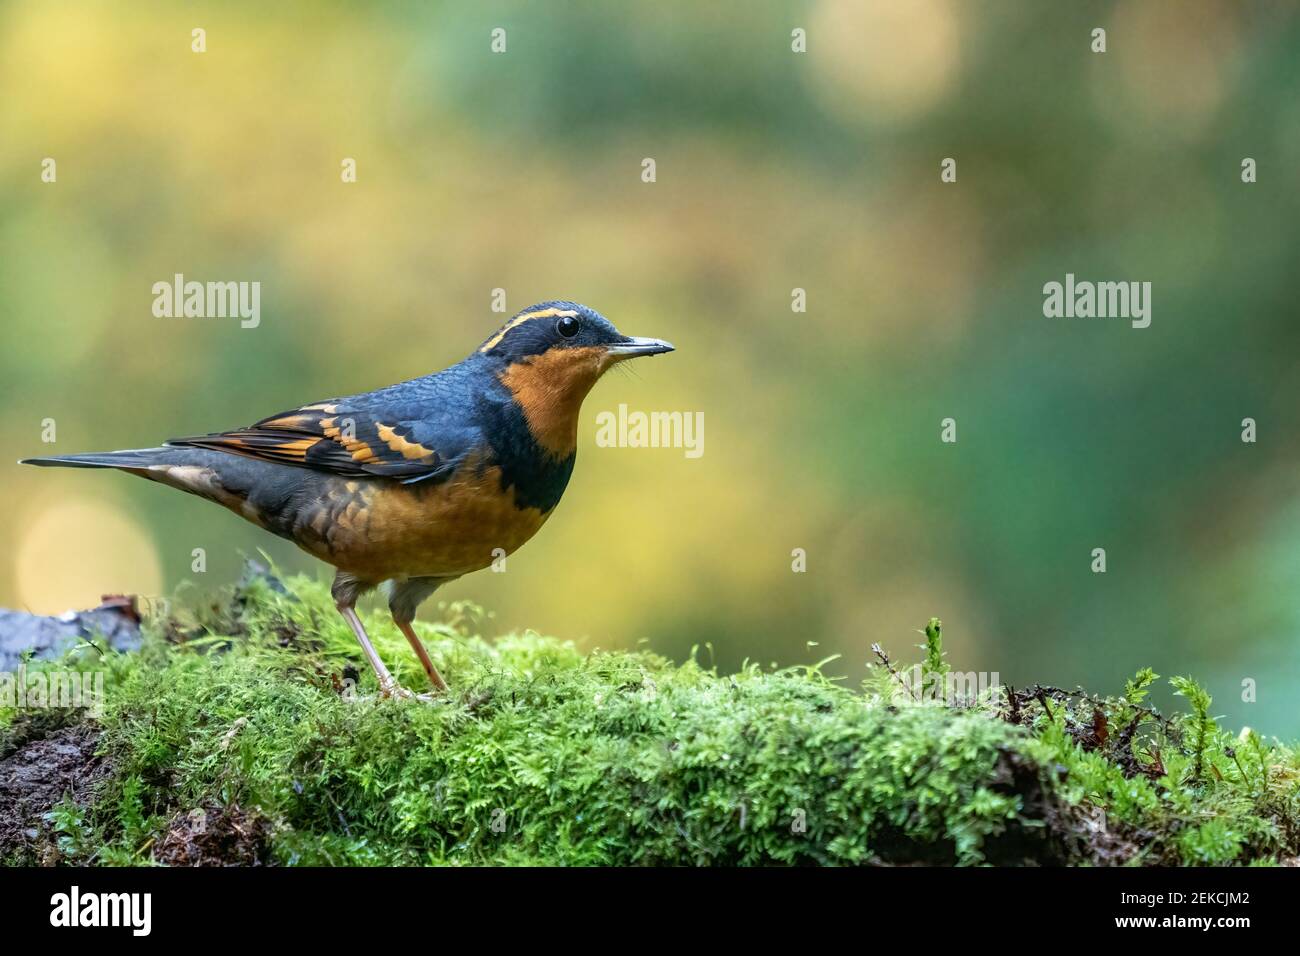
394 691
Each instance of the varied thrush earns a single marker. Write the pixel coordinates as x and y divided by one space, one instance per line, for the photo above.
417 483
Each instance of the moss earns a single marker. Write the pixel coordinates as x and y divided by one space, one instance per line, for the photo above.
236 730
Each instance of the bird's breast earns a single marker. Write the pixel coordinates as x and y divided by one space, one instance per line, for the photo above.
378 528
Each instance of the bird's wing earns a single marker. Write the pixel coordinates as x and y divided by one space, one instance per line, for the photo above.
355 437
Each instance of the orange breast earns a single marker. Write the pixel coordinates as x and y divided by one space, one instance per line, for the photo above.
377 528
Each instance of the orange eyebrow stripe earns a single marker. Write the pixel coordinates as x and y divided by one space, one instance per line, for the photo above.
523 317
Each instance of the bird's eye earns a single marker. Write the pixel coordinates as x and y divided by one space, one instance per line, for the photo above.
567 326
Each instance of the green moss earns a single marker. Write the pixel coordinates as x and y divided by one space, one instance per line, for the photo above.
228 734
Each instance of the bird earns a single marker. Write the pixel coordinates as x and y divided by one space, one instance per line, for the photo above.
412 485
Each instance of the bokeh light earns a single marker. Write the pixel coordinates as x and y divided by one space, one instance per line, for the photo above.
74 549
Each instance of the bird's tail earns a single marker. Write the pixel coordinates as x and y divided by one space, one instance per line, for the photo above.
224 478
133 458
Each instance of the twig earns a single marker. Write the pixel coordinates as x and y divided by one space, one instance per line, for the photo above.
884 659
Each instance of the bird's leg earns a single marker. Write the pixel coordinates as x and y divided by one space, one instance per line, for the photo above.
388 687
405 598
346 590
418 646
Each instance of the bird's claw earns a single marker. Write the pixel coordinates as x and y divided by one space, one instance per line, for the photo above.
394 691
399 692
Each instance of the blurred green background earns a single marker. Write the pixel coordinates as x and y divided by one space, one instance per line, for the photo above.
776 170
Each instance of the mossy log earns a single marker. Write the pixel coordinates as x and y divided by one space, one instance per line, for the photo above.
247 732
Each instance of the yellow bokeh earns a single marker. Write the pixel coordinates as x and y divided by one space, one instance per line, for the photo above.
76 549
885 61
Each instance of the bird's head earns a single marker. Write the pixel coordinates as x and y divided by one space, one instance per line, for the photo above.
550 355
566 334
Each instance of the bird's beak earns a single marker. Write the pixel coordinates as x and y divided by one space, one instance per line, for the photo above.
632 346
